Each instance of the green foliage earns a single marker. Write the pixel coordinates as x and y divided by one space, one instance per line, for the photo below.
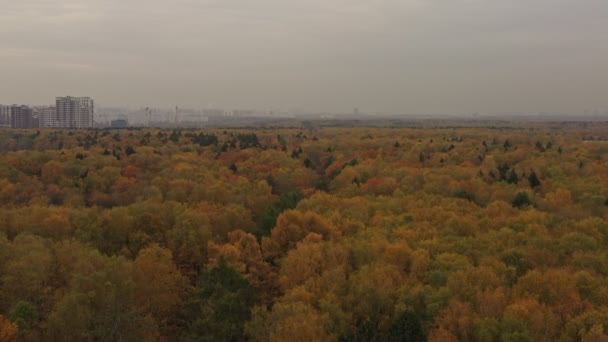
323 185
129 151
406 327
99 307
521 200
464 195
24 314
221 307
517 260
268 219
309 164
534 181
175 135
487 329
248 140
205 139
513 329
503 172
512 178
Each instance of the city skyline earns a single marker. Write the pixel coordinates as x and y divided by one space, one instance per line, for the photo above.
46 115
68 112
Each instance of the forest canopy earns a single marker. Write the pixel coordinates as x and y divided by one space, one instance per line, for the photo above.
305 234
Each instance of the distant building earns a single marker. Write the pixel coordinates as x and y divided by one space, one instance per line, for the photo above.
21 117
5 116
35 122
75 112
47 117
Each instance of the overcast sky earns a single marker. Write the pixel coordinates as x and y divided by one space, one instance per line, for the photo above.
393 56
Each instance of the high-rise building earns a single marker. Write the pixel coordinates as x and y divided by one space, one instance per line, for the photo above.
21 116
47 116
5 116
75 112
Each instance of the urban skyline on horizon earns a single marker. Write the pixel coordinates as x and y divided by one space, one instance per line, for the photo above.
68 112
270 109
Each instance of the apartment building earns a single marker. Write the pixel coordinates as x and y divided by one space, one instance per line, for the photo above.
74 112
5 116
21 117
47 117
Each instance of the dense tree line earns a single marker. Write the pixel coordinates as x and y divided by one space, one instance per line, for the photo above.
451 234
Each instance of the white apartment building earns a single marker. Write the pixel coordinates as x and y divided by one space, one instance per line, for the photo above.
47 117
5 116
75 112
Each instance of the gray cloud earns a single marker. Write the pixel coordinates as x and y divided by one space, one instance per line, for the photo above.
399 56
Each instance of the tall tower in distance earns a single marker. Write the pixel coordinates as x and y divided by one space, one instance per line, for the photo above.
75 112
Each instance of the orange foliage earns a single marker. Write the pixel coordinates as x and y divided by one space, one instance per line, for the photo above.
9 332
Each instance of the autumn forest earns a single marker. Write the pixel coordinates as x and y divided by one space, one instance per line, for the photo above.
495 233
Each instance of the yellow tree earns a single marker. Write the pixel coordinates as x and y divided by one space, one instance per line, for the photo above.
298 322
160 287
293 226
188 240
458 320
243 252
27 272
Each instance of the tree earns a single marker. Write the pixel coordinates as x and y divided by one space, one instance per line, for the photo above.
534 181
293 226
233 167
458 319
298 322
406 327
421 158
129 151
9 332
512 178
52 172
268 219
442 335
302 263
521 200
514 329
486 329
539 146
503 170
559 199
27 272
175 135
161 289
188 240
25 315
221 307
101 307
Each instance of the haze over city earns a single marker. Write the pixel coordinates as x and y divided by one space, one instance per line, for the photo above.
397 57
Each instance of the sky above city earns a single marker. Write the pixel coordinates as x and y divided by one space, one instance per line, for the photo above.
381 56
